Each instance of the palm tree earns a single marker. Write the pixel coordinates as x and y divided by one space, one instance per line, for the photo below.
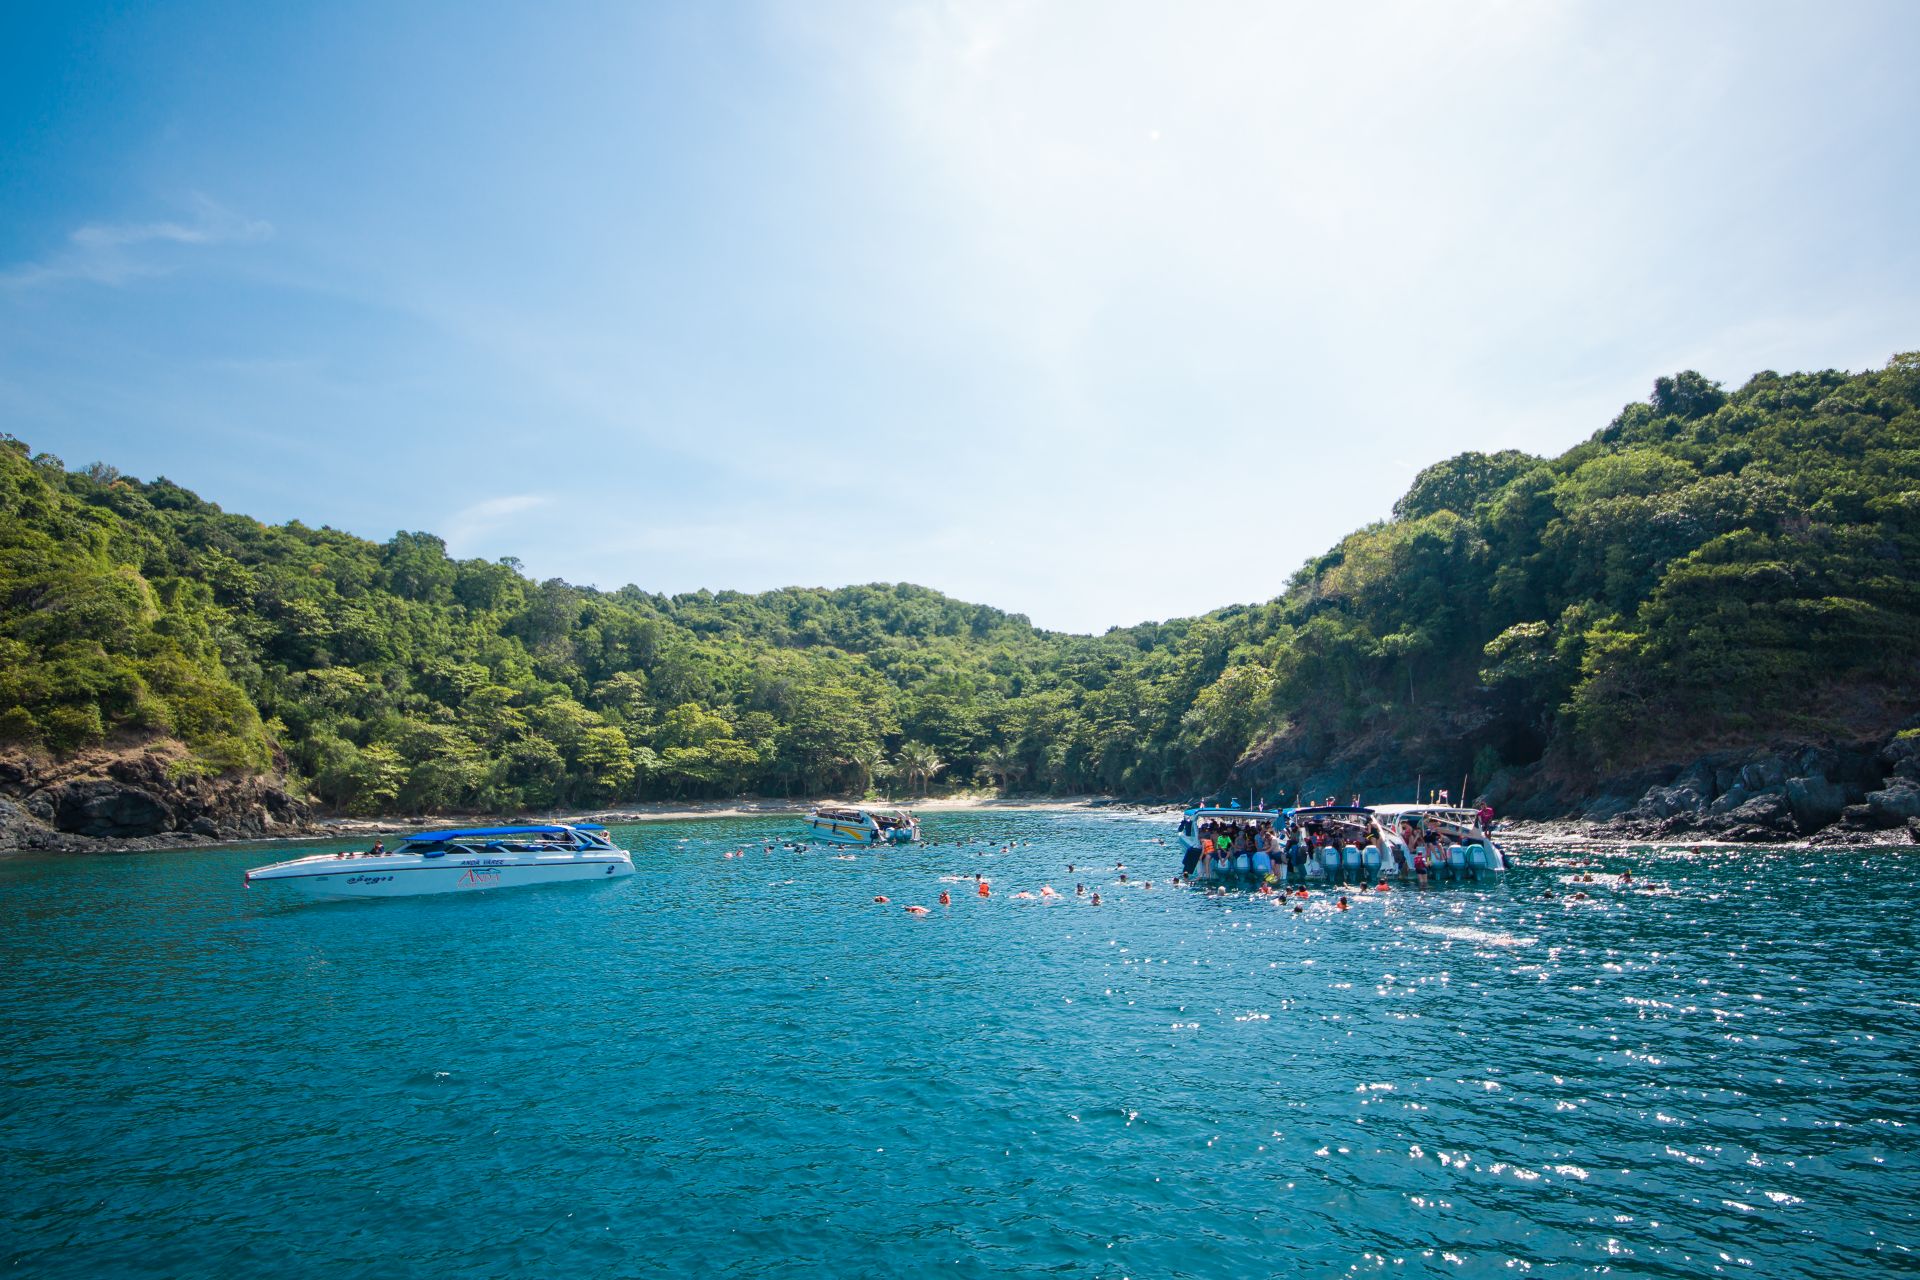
1002 762
920 762
868 762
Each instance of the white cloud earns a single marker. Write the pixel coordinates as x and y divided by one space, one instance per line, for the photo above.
115 253
481 520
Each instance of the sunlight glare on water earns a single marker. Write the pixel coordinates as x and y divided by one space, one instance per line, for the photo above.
745 1066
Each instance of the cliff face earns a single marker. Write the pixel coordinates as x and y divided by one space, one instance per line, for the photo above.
148 795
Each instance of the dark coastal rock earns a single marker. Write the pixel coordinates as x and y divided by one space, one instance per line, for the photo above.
1732 798
1901 757
1764 774
21 830
104 807
1666 802
1607 808
1816 801
1895 805
1770 810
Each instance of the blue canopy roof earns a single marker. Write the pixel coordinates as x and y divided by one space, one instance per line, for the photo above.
1217 811
472 833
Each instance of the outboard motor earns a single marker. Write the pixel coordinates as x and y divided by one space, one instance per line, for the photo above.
1350 864
1456 862
1477 861
1330 863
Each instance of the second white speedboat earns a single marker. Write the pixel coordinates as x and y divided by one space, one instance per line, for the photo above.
457 861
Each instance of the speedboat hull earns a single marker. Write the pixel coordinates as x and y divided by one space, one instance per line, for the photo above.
404 877
853 825
470 860
830 832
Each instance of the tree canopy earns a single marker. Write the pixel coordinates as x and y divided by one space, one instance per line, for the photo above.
1711 568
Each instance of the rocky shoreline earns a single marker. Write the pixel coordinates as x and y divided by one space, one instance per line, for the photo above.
1860 794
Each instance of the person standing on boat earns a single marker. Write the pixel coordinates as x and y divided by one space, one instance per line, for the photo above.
1486 818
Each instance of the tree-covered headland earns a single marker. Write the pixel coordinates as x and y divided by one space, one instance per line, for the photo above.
1710 569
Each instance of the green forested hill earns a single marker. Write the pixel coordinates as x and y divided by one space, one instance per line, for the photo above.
1710 569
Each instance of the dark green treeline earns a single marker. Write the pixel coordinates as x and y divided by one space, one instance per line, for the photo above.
1710 569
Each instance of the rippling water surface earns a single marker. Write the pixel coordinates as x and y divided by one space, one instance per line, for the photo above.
745 1066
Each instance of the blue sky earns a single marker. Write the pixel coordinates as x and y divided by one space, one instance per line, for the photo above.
1096 312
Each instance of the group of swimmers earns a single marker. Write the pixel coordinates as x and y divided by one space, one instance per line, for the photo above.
983 888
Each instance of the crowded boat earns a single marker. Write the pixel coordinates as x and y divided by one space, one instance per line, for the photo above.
1331 843
858 824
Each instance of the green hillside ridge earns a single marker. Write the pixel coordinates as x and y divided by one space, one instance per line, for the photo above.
1710 570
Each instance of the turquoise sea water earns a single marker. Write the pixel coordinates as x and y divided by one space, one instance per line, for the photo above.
746 1067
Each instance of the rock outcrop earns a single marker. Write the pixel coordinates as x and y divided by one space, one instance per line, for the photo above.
139 796
1769 794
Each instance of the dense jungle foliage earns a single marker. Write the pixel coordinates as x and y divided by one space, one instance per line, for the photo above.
1711 568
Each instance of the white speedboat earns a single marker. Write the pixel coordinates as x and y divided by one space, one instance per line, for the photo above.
1247 857
1344 844
1466 849
459 861
856 824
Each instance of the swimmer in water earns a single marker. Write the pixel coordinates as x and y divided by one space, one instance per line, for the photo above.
916 911
1046 891
1581 894
946 899
1626 877
882 898
1297 908
1024 894
1096 899
1123 877
1343 902
1079 891
985 892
